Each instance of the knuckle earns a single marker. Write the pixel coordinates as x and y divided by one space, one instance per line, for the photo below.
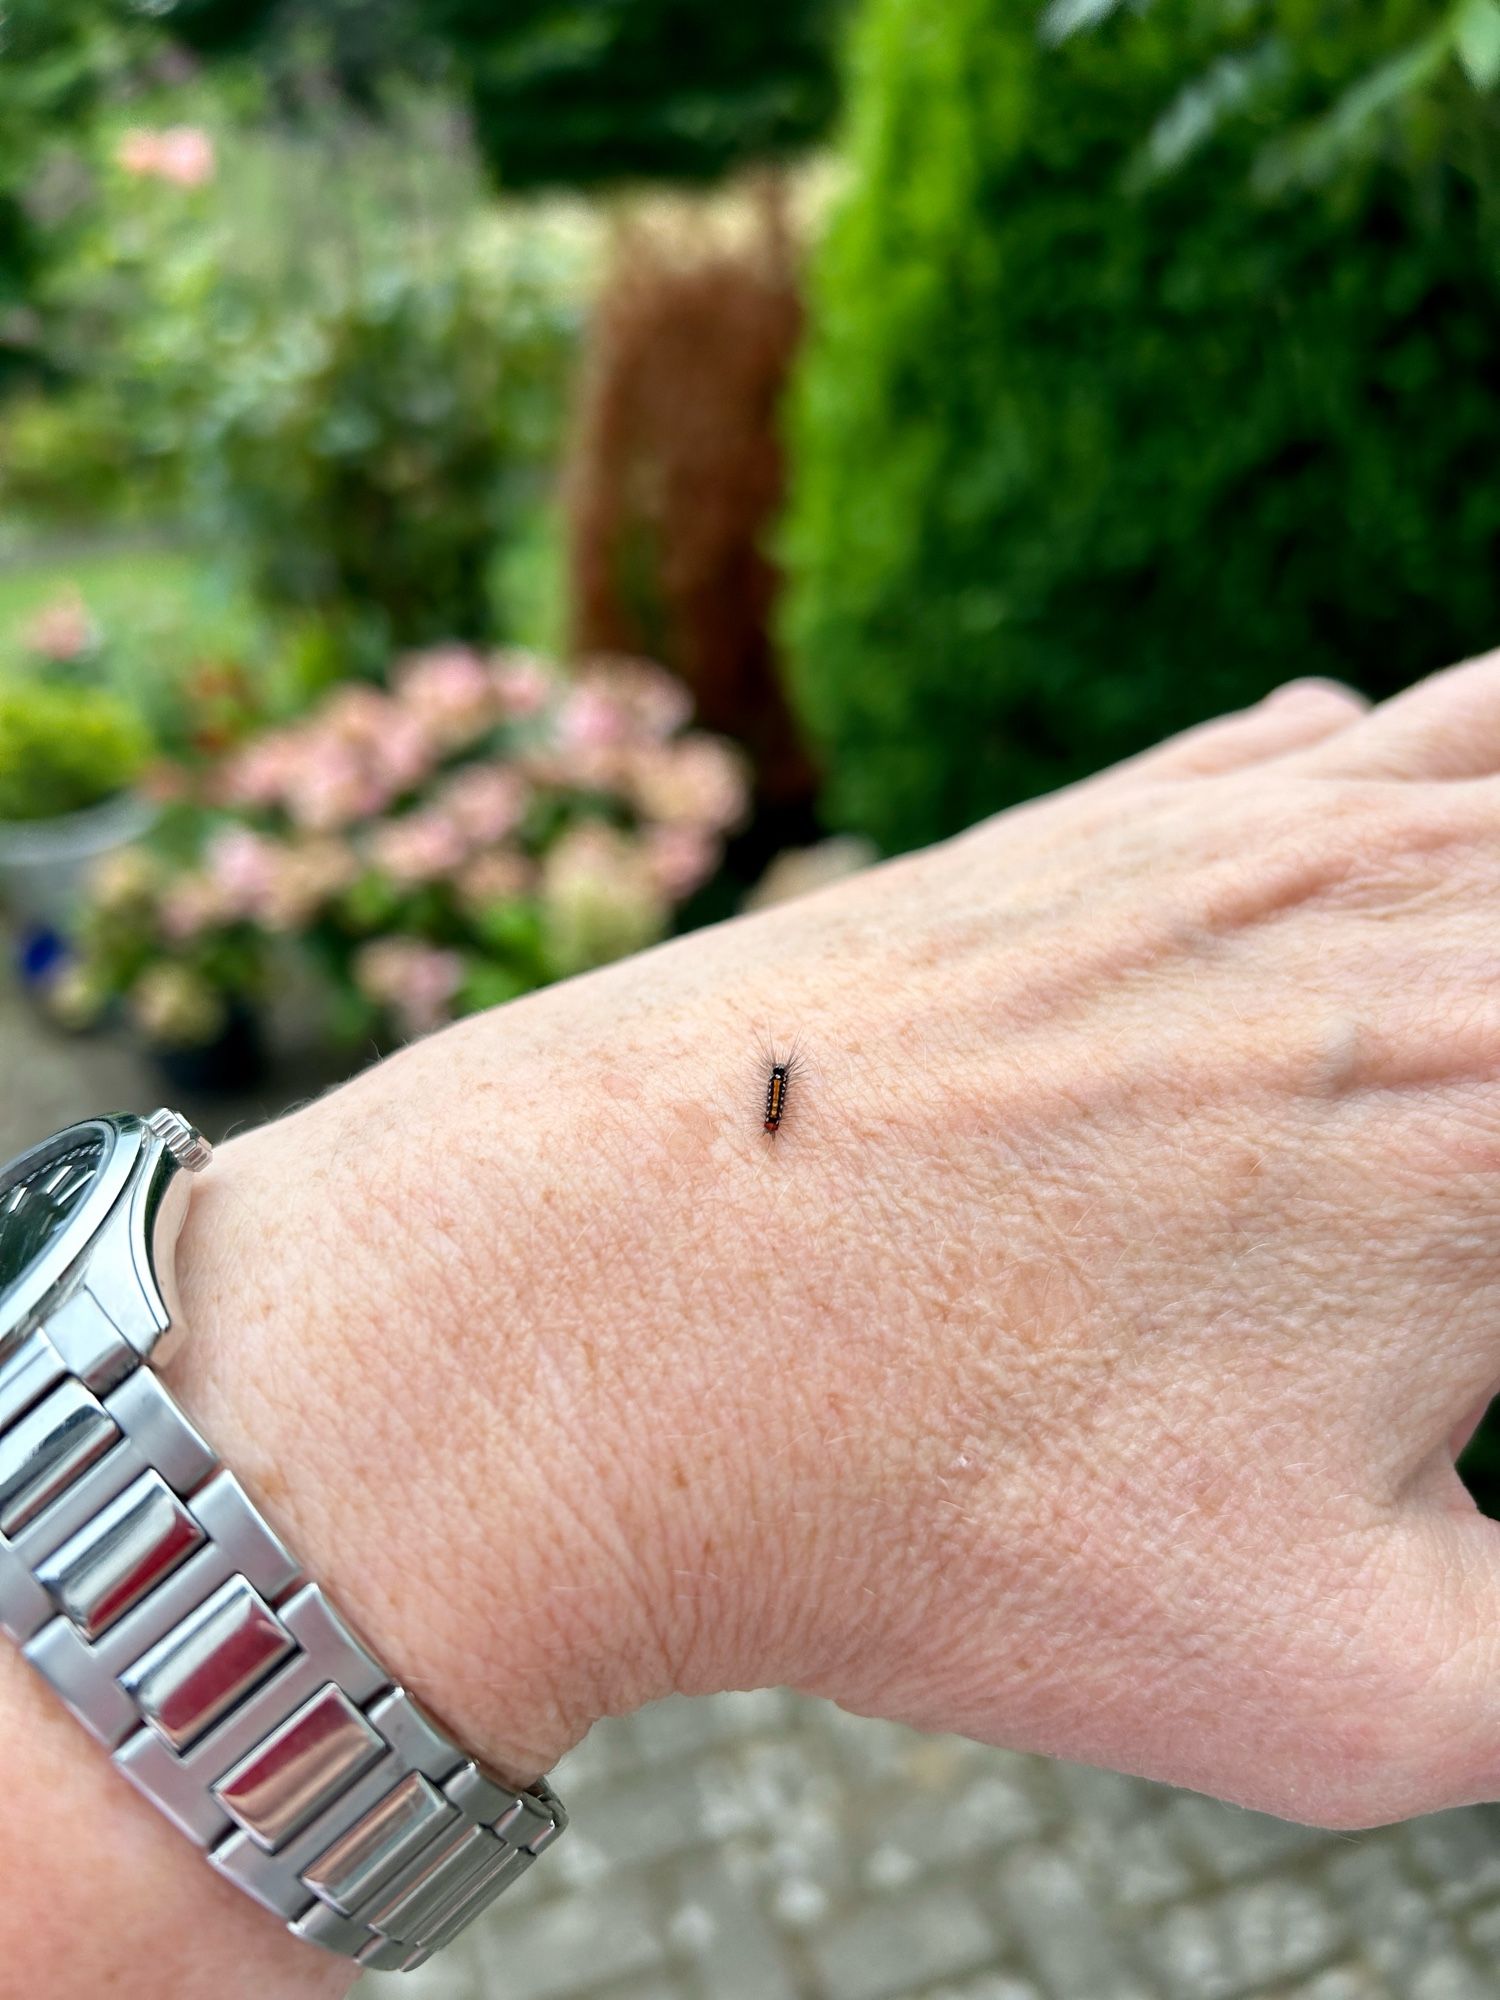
1316 697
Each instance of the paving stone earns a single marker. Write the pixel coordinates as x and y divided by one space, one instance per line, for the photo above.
1451 1978
799 1904
577 1863
1234 1843
1136 1865
1343 1982
608 1751
884 1950
1108 1797
646 1816
739 1956
456 1975
990 1810
754 1712
1243 1939
1460 1852
674 1728
988 1986
1063 1930
917 1835
570 1945
1483 1931
889 1868
883 1750
650 1986
1398 1922
681 1727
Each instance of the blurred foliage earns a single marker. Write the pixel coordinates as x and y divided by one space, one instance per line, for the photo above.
70 458
1153 363
57 59
307 52
356 456
358 406
586 93
64 747
564 93
161 629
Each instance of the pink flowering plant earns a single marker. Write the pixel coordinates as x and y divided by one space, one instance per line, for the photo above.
483 824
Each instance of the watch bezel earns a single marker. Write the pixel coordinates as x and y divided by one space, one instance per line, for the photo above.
124 1139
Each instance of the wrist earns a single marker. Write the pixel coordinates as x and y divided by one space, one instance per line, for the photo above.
442 1371
572 1389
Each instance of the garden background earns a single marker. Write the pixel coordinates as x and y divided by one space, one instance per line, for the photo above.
484 488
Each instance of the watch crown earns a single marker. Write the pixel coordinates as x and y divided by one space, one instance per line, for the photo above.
184 1142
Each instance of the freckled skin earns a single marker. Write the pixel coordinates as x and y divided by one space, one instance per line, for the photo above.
690 1135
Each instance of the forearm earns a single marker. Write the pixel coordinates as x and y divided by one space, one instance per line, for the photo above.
444 1326
547 1359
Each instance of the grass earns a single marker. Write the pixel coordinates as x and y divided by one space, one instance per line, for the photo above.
125 589
161 612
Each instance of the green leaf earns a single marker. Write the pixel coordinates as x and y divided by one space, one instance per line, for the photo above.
370 904
1476 41
1067 17
1315 152
512 929
488 985
1202 106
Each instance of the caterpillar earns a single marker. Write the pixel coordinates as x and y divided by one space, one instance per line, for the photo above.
783 1073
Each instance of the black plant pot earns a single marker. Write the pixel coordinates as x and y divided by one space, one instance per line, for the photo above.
233 1063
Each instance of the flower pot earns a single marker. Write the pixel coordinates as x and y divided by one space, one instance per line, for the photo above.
43 862
232 1063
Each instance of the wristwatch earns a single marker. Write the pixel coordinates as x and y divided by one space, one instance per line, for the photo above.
145 1586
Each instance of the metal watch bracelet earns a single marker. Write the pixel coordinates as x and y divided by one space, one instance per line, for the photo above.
142 1583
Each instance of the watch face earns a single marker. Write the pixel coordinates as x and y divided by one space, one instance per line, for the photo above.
47 1187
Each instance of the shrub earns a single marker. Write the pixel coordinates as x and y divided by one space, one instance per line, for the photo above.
64 748
676 474
365 454
349 391
1151 365
58 58
68 459
354 458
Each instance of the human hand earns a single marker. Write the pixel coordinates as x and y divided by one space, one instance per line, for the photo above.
1079 1368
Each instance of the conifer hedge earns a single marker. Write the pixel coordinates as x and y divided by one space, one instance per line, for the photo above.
1156 359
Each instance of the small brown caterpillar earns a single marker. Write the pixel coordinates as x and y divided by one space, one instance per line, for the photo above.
784 1071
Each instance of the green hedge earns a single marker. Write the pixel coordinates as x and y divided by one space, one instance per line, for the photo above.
1153 363
585 95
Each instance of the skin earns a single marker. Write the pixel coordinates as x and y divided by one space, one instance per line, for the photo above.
1080 1369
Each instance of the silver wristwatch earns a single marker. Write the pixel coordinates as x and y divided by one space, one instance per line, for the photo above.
143 1584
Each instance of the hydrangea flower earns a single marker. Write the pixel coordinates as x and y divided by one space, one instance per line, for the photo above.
480 825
